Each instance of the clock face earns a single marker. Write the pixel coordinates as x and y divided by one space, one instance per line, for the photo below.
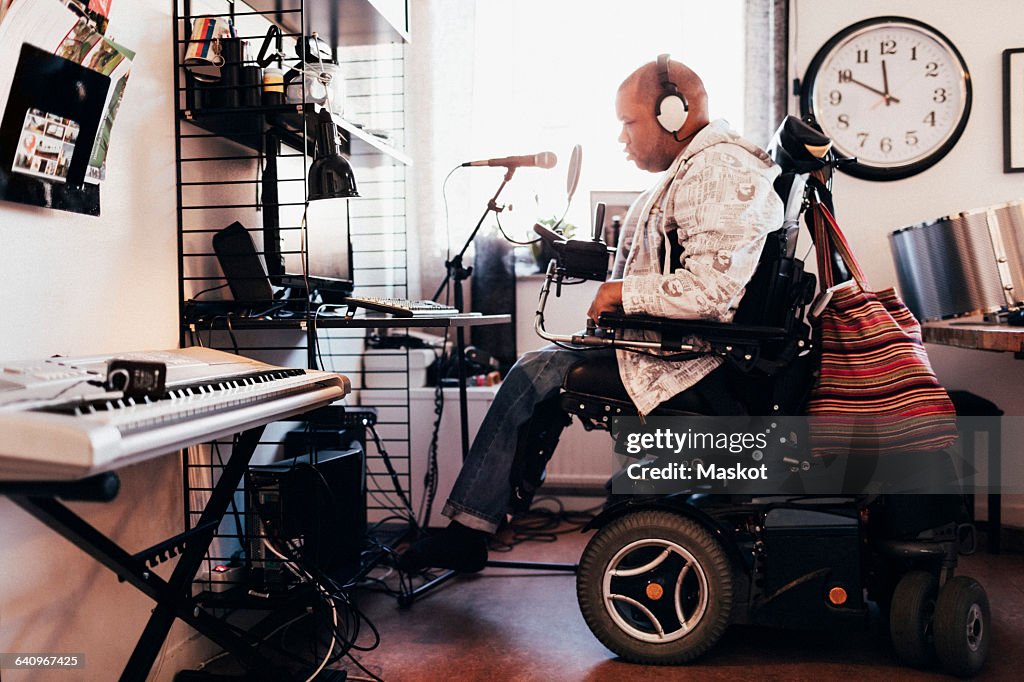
890 91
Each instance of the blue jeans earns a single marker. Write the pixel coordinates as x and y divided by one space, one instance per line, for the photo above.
480 496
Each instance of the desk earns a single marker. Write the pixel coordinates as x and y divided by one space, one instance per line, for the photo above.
975 334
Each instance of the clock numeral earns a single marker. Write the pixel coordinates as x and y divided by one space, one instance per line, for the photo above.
888 47
835 98
863 137
931 70
845 76
939 96
911 138
843 121
862 56
885 145
913 53
930 119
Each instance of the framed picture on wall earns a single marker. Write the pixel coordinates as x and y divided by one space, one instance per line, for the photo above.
1013 110
616 202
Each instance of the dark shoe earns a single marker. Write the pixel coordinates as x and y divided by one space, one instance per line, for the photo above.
456 547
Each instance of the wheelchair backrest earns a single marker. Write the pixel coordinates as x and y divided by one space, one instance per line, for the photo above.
780 288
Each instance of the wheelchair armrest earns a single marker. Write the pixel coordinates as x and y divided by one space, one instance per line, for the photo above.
746 346
712 332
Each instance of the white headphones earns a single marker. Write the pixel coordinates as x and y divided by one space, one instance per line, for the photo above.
671 109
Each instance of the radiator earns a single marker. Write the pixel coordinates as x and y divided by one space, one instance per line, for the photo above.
582 460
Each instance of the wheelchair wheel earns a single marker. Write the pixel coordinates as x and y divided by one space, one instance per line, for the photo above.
655 588
910 618
962 626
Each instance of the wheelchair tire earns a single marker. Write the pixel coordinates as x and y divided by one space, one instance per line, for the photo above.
910 618
962 626
655 588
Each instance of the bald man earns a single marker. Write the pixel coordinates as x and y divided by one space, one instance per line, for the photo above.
688 248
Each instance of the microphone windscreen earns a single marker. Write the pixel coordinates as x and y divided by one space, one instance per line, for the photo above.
546 160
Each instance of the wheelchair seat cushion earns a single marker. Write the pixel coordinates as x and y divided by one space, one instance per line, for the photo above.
598 379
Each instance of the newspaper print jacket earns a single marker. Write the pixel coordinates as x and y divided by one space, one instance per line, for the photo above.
688 248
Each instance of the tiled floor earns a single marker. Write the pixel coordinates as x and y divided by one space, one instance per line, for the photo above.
507 625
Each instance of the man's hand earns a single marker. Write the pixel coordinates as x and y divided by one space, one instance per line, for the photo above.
608 299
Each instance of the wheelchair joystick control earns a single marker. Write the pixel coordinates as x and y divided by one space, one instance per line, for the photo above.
591 327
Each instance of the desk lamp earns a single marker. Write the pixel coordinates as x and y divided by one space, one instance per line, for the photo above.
330 175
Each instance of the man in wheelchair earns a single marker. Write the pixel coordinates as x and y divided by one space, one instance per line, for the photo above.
707 288
689 246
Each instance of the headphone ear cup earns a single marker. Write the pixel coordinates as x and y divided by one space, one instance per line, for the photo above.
672 113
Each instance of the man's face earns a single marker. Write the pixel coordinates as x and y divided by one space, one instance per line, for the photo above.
645 140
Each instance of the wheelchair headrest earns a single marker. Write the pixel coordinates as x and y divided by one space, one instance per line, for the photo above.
798 147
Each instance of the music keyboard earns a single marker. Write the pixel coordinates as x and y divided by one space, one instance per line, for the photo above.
57 420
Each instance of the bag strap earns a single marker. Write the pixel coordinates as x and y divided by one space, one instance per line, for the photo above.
828 236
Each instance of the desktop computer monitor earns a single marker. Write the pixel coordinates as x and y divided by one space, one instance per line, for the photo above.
320 258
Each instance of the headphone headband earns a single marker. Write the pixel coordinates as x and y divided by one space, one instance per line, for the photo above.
667 86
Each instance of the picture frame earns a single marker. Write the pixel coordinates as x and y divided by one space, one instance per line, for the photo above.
1013 110
617 203
47 129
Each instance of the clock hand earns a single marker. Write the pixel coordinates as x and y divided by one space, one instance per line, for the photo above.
869 87
885 84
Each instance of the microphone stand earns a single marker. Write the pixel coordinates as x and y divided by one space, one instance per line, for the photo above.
458 273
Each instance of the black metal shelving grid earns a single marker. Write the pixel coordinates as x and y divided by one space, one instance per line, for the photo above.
220 151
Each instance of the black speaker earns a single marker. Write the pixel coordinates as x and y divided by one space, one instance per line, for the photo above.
243 269
310 508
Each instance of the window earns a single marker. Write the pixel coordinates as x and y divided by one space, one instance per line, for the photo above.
545 77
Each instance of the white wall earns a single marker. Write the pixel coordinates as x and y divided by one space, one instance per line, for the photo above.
73 284
970 176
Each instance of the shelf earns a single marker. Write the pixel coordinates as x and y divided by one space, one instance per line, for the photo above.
287 124
245 125
341 22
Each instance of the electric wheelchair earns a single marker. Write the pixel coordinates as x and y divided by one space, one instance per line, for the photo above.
664 575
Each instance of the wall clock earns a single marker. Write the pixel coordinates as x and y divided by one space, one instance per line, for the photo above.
891 91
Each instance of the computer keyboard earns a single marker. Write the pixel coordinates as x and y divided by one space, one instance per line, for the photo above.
401 307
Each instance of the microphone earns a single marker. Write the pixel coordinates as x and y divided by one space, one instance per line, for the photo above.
542 160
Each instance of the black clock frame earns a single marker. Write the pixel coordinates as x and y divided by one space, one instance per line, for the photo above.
863 171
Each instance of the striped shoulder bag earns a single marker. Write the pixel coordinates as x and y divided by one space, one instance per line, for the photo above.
876 391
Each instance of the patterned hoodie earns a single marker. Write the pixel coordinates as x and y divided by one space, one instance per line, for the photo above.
690 245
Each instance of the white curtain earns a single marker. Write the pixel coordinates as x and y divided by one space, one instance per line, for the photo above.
439 96
766 23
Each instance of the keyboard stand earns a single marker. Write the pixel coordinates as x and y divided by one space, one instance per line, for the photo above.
173 596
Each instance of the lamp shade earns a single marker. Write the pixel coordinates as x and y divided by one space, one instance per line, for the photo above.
330 175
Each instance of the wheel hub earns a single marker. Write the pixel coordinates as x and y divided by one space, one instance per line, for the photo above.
655 590
975 627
